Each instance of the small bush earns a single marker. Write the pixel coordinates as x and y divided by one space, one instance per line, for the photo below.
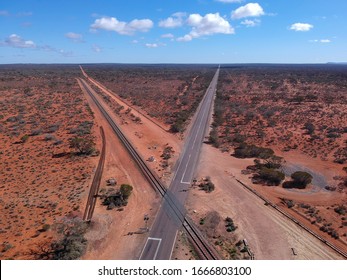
229 224
271 176
83 145
126 190
251 151
301 178
24 138
119 198
213 138
207 186
341 210
49 137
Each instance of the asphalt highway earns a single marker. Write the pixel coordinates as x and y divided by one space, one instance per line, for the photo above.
162 235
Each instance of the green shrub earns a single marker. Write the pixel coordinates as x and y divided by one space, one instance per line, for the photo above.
301 178
271 176
24 138
207 185
251 151
83 145
126 190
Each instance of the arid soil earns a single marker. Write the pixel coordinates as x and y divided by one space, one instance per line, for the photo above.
41 108
289 109
269 235
176 90
43 180
252 225
121 234
300 113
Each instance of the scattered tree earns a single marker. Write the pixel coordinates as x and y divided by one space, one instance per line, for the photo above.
271 176
207 185
300 179
70 246
83 145
250 151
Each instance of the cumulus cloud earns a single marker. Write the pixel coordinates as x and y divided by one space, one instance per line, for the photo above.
250 23
121 27
249 10
74 37
301 27
167 35
324 41
16 41
148 45
185 38
206 25
176 20
155 45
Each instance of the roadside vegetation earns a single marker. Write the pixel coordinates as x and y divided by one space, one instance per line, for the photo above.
42 178
117 198
70 244
170 94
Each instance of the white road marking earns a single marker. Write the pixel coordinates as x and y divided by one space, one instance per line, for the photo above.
196 135
173 245
156 251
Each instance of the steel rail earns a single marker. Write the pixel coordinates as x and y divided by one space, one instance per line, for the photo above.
94 188
205 251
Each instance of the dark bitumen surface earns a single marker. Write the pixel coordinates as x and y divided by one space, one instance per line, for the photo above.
162 235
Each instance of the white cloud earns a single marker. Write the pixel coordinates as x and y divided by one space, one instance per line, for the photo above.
16 41
229 1
250 23
301 26
171 22
151 45
185 38
75 37
249 10
121 27
206 25
176 20
167 35
323 41
96 48
155 45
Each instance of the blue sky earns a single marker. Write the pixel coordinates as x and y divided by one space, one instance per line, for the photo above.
173 31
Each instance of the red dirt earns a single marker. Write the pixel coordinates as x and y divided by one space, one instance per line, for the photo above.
35 188
110 229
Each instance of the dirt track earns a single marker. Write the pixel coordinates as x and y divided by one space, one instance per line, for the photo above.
269 234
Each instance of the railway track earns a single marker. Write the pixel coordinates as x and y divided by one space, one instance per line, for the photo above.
204 249
326 242
94 188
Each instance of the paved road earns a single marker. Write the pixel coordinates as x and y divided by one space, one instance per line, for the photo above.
162 235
